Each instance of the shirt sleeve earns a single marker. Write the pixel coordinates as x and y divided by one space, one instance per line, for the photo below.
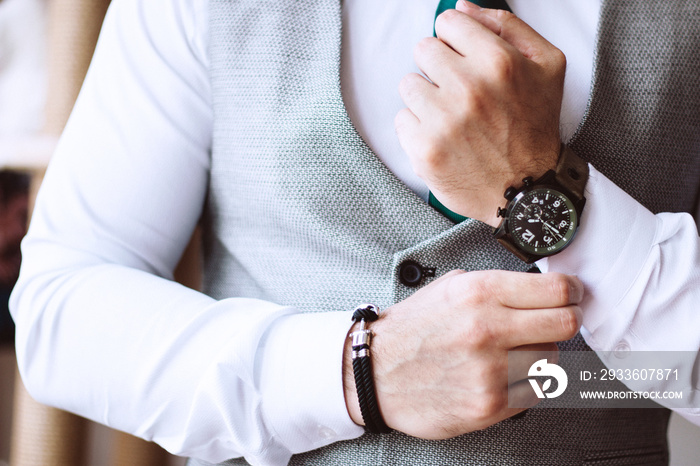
102 330
642 277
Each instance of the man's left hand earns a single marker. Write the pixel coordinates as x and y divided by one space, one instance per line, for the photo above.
488 114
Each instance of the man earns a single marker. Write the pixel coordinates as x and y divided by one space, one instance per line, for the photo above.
301 211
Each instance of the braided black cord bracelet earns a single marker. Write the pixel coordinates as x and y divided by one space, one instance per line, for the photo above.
362 367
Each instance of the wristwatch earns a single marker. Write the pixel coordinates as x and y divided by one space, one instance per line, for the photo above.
541 218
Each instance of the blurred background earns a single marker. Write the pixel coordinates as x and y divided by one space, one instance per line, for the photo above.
45 49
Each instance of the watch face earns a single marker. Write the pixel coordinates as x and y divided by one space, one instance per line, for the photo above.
542 221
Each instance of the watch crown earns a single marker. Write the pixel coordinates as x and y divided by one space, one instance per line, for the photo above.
510 193
501 212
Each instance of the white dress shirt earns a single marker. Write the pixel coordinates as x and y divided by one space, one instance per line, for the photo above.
104 332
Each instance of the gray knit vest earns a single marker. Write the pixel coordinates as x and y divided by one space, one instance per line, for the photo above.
301 212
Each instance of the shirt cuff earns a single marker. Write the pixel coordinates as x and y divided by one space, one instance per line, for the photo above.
304 377
614 240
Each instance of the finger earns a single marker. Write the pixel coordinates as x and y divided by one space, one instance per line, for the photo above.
405 121
511 29
520 290
436 60
407 127
418 94
520 359
532 326
467 36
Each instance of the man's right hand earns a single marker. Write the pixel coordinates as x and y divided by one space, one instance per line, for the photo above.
440 357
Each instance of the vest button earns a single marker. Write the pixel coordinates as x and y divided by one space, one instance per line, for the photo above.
410 273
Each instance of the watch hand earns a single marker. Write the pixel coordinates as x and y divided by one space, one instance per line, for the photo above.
539 219
551 228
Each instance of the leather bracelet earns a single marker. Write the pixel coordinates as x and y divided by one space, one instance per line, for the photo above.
362 368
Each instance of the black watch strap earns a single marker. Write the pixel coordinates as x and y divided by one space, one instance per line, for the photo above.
571 172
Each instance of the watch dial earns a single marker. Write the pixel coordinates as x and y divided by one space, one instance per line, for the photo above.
542 221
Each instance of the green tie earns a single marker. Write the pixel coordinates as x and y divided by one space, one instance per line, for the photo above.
442 6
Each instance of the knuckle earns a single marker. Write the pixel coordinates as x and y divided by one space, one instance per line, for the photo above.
424 46
558 61
453 284
400 117
400 120
408 85
503 64
444 19
451 14
560 289
504 17
480 289
568 321
468 103
404 87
